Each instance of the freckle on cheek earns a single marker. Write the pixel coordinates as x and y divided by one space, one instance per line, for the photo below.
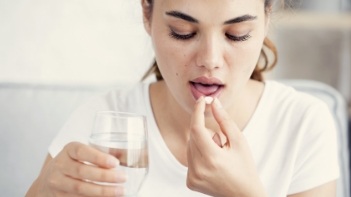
177 74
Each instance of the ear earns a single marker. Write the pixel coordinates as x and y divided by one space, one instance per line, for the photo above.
147 10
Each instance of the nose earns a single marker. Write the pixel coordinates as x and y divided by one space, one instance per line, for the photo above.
210 52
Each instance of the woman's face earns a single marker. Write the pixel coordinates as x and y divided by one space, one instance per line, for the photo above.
207 47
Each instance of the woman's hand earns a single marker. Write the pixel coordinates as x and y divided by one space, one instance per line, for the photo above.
216 170
67 175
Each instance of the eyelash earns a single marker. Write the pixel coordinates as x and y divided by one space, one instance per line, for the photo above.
229 36
181 36
238 38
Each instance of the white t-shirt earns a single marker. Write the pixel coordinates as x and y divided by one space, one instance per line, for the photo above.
292 137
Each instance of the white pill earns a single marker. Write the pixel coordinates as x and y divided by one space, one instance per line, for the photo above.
208 100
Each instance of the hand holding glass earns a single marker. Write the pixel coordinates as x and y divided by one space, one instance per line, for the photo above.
123 135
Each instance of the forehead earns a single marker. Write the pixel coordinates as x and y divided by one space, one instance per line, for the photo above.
212 9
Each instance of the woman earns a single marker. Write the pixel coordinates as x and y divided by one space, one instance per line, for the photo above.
254 139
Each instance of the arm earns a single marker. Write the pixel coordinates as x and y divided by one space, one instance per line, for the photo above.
326 190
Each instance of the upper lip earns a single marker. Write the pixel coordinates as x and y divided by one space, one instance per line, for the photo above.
207 80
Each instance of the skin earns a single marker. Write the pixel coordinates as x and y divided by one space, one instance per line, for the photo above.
212 132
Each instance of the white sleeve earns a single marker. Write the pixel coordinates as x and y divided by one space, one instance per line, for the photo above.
317 157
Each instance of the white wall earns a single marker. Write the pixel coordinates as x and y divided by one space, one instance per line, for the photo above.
72 41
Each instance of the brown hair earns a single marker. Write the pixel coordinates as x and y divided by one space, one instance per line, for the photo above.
264 63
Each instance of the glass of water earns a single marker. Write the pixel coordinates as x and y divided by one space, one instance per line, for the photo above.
123 135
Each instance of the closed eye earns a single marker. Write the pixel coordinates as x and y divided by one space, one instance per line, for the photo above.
238 38
182 36
177 36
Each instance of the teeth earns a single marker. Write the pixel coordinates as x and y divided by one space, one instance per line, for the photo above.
208 100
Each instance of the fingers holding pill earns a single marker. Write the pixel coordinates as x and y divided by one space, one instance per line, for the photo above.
208 100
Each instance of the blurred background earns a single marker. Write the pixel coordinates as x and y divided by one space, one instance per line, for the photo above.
79 42
313 38
53 51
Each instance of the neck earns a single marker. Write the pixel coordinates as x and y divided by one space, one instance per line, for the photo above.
171 118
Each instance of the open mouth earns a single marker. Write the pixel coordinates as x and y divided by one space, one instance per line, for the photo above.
206 87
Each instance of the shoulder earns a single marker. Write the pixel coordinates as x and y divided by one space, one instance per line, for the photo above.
282 95
305 124
286 104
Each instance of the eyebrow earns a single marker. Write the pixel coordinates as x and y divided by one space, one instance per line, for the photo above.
183 16
191 19
240 19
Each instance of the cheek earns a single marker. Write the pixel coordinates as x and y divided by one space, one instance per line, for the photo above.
252 53
243 60
170 57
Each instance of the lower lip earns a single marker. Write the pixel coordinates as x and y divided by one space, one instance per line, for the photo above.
196 94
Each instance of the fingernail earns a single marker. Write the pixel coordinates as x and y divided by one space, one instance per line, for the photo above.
199 99
112 162
217 103
208 100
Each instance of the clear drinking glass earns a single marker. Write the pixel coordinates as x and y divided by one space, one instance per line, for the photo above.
123 135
